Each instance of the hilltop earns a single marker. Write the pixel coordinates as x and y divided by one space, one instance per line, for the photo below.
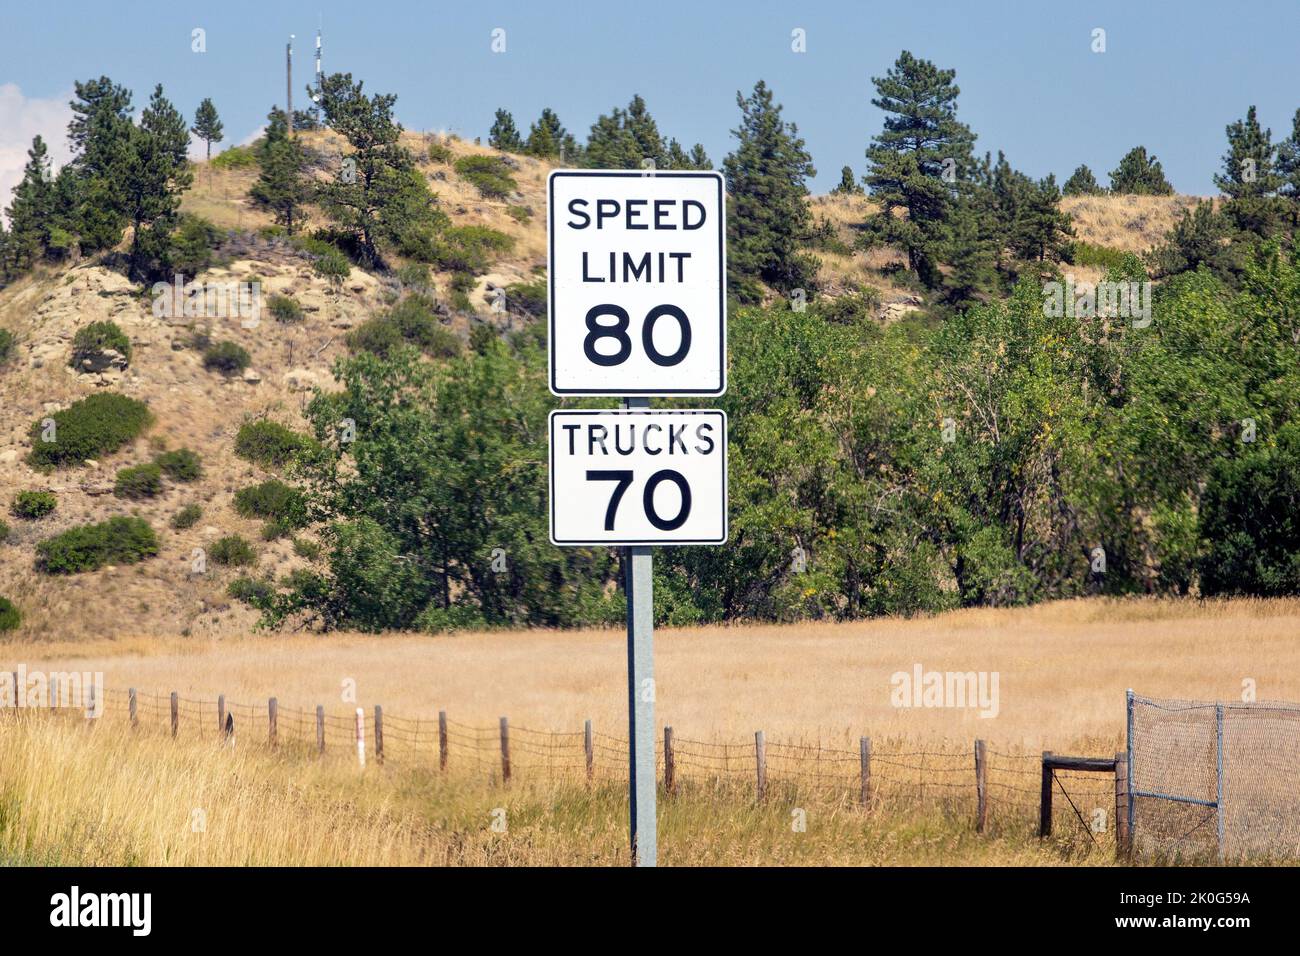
202 410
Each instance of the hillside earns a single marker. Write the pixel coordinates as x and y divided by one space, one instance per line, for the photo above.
202 410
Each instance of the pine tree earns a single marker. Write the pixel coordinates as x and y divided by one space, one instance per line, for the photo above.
698 158
100 132
645 132
95 99
1082 183
156 174
207 125
769 214
281 186
1041 231
917 159
1250 179
548 139
611 145
848 185
1138 174
504 135
1288 160
30 212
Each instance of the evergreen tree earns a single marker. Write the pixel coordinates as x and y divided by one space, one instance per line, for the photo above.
769 213
1082 183
1250 179
548 139
281 186
30 213
1138 174
100 132
917 159
698 158
611 145
1041 231
504 135
96 99
156 173
848 185
1199 238
207 125
1288 160
645 132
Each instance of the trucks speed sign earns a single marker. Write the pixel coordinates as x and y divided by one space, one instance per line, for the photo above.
637 283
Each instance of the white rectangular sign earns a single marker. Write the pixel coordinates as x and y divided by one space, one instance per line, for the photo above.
638 476
637 273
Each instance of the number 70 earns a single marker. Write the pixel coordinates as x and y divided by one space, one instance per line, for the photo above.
623 480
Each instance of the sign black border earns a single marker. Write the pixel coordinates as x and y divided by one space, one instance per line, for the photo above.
550 434
722 278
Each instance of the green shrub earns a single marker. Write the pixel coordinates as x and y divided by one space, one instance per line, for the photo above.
180 465
411 322
1102 257
237 157
33 504
470 249
268 443
440 152
141 481
251 590
187 517
191 248
527 298
98 337
284 309
226 357
270 499
95 425
6 345
414 277
232 550
10 616
4 532
306 548
520 214
488 174
120 540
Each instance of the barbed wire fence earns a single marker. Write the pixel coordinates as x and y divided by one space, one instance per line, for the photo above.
998 788
1212 780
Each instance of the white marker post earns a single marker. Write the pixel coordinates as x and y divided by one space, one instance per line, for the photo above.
637 277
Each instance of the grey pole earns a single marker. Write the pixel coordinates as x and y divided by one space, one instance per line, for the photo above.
639 584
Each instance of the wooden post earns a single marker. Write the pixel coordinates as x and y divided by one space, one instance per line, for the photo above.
760 761
320 729
505 750
176 713
131 707
981 787
379 734
864 760
221 713
271 714
1122 837
670 763
1045 798
442 740
590 750
361 738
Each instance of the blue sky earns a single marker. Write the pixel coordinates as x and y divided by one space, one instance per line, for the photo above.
1173 74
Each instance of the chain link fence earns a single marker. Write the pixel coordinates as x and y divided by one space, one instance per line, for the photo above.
1213 780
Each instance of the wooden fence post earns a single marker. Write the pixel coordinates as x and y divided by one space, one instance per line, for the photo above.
1123 839
272 712
1045 798
176 713
320 729
864 760
589 749
361 738
131 707
981 787
760 761
670 763
505 750
379 734
221 713
442 740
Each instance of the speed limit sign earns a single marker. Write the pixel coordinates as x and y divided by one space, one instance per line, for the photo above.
637 283
638 477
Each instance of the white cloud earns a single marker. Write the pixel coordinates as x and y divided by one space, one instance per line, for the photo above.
21 118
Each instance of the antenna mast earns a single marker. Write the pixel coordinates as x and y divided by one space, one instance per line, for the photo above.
288 83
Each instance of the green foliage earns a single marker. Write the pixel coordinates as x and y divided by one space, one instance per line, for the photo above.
33 504
236 157
226 357
181 464
271 499
207 124
119 540
504 135
4 532
1082 183
1138 174
413 321
95 425
140 481
333 265
285 308
187 517
282 186
268 443
233 551
548 139
848 184
10 616
520 214
1103 257
1200 239
97 337
440 152
470 249
252 591
490 175
192 246
527 299
306 548
6 345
